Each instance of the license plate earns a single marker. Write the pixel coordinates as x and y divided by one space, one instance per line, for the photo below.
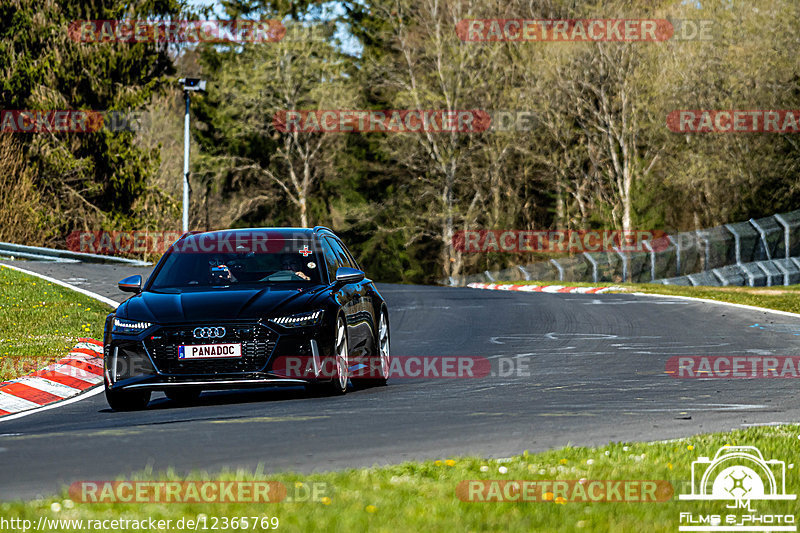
209 351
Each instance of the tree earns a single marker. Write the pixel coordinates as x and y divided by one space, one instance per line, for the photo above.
253 88
84 179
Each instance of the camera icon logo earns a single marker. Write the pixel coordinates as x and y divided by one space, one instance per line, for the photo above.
738 473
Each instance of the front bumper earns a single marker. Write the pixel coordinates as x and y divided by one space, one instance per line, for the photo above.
203 382
150 361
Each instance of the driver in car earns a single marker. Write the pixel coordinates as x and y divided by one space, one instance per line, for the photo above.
219 273
293 265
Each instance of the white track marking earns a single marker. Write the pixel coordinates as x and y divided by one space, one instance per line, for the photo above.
94 391
75 372
12 403
768 424
552 288
90 294
540 288
86 358
89 346
598 301
56 389
717 302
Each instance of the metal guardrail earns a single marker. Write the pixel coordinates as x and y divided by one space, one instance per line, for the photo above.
37 253
758 251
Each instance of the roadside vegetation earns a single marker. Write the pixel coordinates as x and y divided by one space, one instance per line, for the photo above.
782 298
421 496
584 142
41 321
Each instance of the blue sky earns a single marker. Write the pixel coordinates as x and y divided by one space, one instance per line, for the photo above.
329 10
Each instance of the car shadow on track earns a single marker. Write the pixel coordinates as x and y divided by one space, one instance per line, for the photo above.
247 396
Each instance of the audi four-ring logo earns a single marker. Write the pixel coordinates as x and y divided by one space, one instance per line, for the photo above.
208 333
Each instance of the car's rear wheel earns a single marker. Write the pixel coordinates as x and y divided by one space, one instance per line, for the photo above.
383 348
124 400
183 396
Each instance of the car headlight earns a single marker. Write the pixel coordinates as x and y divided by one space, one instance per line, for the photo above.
129 326
310 318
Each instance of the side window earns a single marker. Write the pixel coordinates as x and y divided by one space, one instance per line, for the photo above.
330 259
341 256
352 259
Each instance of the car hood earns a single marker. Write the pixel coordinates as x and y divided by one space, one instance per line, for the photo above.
191 305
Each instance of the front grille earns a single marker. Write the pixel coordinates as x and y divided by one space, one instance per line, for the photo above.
257 341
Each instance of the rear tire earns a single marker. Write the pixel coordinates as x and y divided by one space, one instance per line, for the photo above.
127 400
183 396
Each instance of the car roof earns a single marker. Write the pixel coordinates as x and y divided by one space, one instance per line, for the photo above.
302 233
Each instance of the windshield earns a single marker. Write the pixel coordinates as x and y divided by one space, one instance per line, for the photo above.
295 262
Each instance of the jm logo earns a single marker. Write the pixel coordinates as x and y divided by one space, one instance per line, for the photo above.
738 474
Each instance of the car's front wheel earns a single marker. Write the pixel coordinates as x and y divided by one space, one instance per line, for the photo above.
381 363
338 384
124 400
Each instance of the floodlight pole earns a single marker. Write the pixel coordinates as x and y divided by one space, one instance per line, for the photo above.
186 164
189 84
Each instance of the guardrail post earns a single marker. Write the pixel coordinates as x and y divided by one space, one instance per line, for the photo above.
559 268
592 261
678 251
625 260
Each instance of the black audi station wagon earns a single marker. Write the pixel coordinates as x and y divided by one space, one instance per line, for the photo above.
246 308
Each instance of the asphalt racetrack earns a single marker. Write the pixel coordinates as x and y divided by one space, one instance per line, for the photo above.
595 373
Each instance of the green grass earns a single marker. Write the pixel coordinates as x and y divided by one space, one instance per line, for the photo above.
783 298
422 496
41 321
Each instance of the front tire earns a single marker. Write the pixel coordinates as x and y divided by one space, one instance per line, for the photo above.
337 386
382 355
123 400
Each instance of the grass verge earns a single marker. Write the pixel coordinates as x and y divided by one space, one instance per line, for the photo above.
41 321
782 298
422 496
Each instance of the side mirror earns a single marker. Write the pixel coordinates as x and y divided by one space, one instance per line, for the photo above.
131 284
347 275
